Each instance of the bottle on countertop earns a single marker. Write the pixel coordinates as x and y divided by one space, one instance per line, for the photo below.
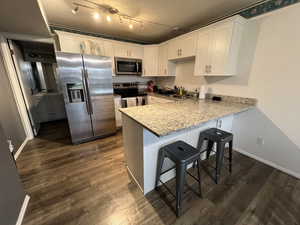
196 93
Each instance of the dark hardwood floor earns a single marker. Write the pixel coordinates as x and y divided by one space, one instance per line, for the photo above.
88 184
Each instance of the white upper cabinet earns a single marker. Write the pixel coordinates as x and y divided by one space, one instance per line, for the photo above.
165 67
128 50
183 47
150 61
218 47
68 43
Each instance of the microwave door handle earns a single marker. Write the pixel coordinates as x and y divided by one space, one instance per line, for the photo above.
137 67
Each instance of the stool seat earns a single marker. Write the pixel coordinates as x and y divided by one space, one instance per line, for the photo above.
181 152
217 135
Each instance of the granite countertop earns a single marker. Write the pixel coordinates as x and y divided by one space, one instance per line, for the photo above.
166 118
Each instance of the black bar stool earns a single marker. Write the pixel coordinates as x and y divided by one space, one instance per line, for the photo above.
182 154
214 135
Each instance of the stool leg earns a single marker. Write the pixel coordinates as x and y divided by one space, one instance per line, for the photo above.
210 145
199 177
180 180
230 156
160 162
219 160
200 142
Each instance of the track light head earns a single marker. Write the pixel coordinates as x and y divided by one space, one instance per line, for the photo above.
75 10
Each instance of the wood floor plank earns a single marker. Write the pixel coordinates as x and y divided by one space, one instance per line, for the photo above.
88 184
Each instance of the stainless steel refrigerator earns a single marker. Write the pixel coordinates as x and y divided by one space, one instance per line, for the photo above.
86 83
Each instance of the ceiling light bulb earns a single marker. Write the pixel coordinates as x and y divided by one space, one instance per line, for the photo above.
75 10
108 18
96 16
131 26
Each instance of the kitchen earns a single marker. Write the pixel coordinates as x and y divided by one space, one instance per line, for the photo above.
143 110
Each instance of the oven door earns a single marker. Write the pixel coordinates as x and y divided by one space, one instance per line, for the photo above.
124 66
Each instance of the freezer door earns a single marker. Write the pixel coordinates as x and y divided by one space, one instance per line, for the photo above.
71 73
98 72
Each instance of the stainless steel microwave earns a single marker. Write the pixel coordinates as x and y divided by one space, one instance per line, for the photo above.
127 66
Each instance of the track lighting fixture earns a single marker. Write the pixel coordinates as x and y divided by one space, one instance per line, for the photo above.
108 18
75 10
96 16
109 11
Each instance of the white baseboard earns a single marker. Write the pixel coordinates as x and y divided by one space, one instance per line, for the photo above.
23 210
270 163
16 155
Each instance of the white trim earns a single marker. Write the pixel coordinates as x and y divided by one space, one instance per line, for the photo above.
135 180
272 164
23 210
16 155
13 78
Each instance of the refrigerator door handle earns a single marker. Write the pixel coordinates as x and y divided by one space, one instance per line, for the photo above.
85 92
88 91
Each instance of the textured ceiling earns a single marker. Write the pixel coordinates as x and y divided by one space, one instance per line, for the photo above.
186 15
23 17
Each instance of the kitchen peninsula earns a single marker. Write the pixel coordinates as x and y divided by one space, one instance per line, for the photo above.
147 128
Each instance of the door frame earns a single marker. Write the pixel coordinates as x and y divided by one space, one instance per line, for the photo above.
14 82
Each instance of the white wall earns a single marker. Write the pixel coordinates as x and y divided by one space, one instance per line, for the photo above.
273 79
270 72
184 77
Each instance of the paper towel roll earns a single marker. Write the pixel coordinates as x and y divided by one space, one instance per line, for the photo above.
203 91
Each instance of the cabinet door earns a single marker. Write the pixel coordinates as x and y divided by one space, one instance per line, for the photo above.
120 50
203 53
174 49
150 61
188 45
69 44
136 52
108 49
96 47
222 36
163 60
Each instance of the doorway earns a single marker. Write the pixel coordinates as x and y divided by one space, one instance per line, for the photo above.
35 66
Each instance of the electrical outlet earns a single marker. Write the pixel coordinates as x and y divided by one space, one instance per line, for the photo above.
260 141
